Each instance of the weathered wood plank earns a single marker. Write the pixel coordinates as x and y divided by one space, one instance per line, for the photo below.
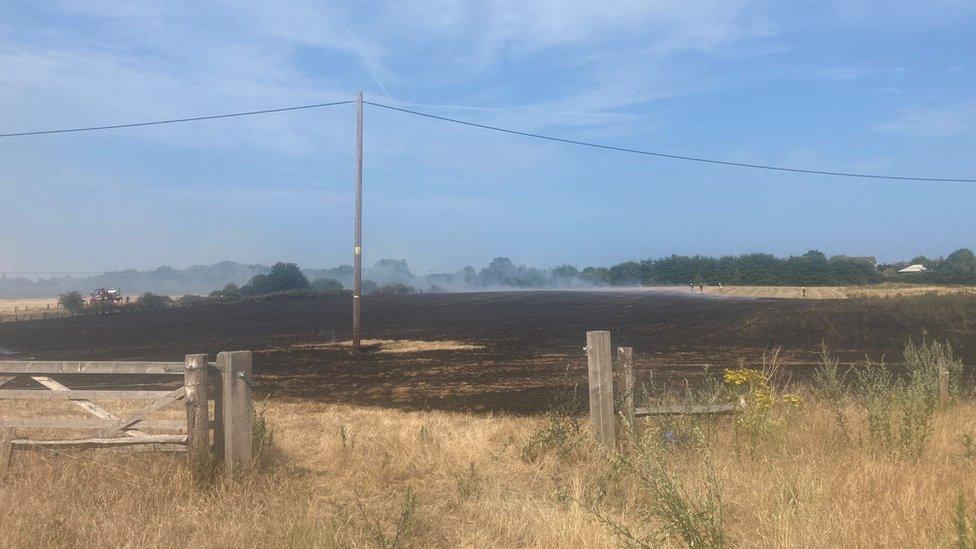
80 367
600 369
167 399
80 394
102 442
143 448
236 381
197 406
943 384
83 404
691 409
625 384
217 383
87 423
6 446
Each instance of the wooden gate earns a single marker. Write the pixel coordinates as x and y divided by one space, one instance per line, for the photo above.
227 383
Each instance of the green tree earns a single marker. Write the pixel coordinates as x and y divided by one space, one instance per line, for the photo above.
283 277
151 301
229 292
369 286
72 302
628 273
189 300
287 276
596 275
565 271
958 268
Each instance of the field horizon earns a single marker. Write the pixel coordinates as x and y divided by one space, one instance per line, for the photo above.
524 347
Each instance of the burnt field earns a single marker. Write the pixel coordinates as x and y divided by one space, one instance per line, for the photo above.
527 345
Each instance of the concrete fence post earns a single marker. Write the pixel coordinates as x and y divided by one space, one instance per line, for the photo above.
600 368
236 382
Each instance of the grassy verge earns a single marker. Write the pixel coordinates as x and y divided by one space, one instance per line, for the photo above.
362 477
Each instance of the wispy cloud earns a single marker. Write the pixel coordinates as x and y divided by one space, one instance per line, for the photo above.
128 62
849 73
938 121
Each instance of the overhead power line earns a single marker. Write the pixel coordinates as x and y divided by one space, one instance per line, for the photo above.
502 130
176 120
672 156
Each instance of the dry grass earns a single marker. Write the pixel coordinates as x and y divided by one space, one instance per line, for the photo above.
815 292
361 477
393 346
779 292
907 290
9 306
837 292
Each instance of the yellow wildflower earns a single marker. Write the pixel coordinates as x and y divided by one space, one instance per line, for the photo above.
792 399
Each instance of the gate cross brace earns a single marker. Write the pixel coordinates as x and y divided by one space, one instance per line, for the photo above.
88 406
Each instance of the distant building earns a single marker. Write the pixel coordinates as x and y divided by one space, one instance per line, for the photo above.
913 269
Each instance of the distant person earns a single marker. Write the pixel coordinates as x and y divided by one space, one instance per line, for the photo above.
692 285
701 287
803 292
720 288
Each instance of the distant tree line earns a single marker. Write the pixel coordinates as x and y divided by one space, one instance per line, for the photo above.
393 277
282 278
810 269
813 268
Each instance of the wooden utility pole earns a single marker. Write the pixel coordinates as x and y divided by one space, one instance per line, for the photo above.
357 250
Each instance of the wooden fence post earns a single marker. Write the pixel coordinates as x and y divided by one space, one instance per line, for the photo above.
197 406
600 368
943 384
626 384
236 381
6 447
217 386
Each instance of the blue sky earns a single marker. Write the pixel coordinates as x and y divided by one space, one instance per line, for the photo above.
885 87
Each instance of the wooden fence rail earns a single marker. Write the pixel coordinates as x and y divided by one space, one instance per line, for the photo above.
606 405
227 383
